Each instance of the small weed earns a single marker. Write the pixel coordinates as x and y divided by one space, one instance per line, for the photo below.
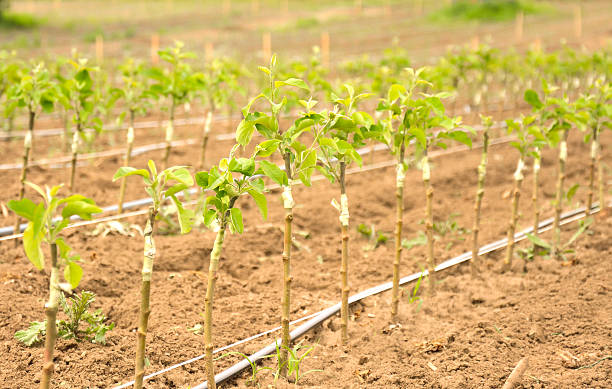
77 310
374 238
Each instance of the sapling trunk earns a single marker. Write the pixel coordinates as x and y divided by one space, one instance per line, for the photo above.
75 151
537 160
429 192
344 226
600 174
399 195
128 157
27 146
594 152
482 172
286 298
169 136
215 254
145 292
51 314
205 136
559 196
516 194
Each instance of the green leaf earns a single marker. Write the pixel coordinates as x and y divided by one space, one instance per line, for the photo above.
293 82
31 335
244 132
201 179
186 217
24 208
538 241
395 91
73 274
260 200
31 243
460 136
236 219
571 192
126 171
181 175
244 166
531 97
274 172
81 208
267 147
174 189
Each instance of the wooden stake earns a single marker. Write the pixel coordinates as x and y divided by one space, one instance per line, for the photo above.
266 45
578 21
325 49
209 51
154 48
517 373
99 49
520 25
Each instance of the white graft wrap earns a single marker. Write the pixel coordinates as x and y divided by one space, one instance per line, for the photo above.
149 253
207 123
54 289
426 169
187 107
169 132
27 141
536 165
482 168
130 135
563 151
344 210
288 202
594 149
75 142
518 174
401 175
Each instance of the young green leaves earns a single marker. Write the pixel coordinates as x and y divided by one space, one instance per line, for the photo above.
164 185
46 220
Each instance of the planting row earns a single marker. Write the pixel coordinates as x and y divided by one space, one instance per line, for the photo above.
410 120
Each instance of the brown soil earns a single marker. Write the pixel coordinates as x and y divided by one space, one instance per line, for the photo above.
473 332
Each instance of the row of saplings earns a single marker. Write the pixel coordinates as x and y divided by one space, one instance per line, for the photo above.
410 123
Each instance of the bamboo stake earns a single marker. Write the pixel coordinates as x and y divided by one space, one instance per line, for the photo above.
128 157
399 194
482 172
266 45
537 160
51 314
99 49
205 136
145 293
344 221
516 194
215 254
288 204
594 152
559 196
27 146
520 26
325 57
75 151
169 136
154 48
578 21
600 170
429 192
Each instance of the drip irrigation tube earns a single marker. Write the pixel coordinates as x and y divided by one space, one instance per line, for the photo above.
7 231
545 225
